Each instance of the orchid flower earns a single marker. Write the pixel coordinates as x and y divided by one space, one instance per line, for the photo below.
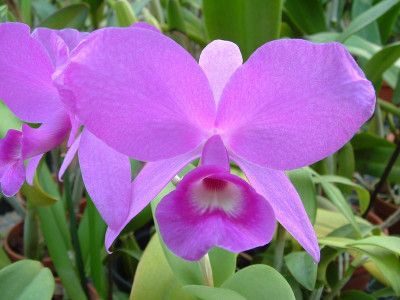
289 105
30 66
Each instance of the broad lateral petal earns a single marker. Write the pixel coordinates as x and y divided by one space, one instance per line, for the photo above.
107 177
31 168
49 135
69 157
12 170
293 103
25 75
150 92
149 183
289 210
212 208
219 60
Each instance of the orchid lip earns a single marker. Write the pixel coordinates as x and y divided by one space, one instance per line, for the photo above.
212 194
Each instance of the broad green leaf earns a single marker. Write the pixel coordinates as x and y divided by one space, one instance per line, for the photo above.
368 140
124 13
303 268
302 181
355 295
3 15
4 259
26 10
336 196
362 193
154 279
308 15
370 32
328 254
373 162
249 24
381 61
26 279
337 242
259 282
223 265
36 194
72 16
390 243
387 262
366 18
387 21
213 293
43 9
7 119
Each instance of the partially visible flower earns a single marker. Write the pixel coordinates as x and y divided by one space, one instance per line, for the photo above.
29 68
291 104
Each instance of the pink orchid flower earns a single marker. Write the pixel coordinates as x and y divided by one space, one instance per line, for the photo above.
29 67
289 105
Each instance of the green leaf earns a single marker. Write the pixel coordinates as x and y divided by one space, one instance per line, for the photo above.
308 15
337 242
259 281
387 262
213 293
390 243
370 32
366 18
346 165
368 140
223 265
362 193
72 16
302 181
124 13
154 279
303 268
175 16
4 259
381 61
26 279
387 21
335 195
249 24
355 295
7 119
3 16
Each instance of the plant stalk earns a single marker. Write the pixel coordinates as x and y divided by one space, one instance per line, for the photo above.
279 247
385 175
206 270
74 233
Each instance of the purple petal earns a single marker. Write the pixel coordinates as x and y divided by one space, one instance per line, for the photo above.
149 183
289 210
219 60
214 153
69 157
212 208
107 177
31 168
55 46
72 37
293 103
12 170
49 135
26 75
146 26
150 92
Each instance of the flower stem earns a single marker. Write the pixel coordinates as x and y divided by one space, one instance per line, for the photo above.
74 233
206 270
279 247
